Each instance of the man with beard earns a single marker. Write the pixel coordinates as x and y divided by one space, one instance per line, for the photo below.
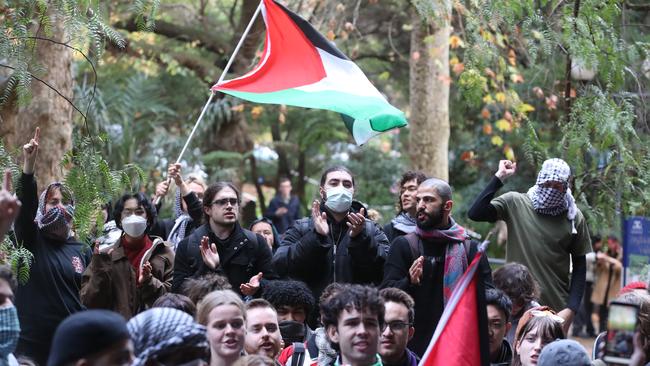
262 330
428 263
221 245
546 232
404 222
337 243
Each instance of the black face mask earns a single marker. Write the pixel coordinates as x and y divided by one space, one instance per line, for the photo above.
292 331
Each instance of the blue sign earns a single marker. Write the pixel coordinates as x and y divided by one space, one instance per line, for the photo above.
636 249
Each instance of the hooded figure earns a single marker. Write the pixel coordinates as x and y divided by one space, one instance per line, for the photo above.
551 194
170 336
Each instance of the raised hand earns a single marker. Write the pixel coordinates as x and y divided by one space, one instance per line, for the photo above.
162 188
30 150
415 272
251 287
145 274
506 169
356 222
209 253
9 206
174 172
320 219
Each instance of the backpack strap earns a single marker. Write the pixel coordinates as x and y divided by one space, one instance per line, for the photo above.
298 356
415 244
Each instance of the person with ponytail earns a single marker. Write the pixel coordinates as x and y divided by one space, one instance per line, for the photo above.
44 227
128 277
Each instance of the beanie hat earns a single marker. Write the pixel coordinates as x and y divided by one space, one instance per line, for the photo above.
86 333
564 352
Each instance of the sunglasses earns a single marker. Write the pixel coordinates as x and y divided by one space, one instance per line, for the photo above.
224 201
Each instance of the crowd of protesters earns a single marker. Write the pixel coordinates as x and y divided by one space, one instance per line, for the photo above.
332 288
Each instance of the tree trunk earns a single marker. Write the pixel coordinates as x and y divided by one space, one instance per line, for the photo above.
283 163
429 94
46 110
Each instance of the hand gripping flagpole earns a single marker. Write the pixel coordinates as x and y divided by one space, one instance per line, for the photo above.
223 75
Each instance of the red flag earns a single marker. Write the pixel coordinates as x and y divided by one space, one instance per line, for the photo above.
461 338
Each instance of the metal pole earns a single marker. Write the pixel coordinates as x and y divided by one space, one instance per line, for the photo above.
223 75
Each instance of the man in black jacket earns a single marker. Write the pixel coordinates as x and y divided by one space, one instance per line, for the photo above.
284 208
404 222
337 243
428 263
221 245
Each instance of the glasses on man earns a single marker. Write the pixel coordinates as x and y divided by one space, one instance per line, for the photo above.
224 201
395 326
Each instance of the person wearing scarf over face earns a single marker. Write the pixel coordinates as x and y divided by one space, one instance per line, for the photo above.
44 227
129 277
188 206
546 232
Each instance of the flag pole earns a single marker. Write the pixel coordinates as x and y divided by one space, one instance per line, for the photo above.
223 75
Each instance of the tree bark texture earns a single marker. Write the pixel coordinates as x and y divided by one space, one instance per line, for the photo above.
46 110
429 94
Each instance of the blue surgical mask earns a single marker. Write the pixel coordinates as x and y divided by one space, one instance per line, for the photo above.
338 199
9 330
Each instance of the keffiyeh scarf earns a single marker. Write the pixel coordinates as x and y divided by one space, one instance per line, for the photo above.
177 232
550 201
404 223
455 256
159 330
57 222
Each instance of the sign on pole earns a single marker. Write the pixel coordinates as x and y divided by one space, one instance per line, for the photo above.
636 249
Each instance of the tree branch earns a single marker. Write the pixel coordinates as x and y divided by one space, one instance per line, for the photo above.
181 33
639 7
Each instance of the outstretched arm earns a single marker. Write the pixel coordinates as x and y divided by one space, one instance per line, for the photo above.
482 209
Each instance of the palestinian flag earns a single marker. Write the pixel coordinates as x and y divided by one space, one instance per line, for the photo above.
461 336
300 67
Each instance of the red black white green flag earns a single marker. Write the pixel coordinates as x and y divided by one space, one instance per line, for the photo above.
300 67
461 336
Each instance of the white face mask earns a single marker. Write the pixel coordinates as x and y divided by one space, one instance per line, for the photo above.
338 199
134 226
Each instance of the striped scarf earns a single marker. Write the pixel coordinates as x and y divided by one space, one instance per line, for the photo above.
455 256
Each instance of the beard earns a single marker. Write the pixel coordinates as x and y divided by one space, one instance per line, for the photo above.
430 221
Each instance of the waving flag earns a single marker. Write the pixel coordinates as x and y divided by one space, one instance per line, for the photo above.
461 336
300 67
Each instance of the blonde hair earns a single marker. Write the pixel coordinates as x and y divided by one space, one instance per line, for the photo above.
218 298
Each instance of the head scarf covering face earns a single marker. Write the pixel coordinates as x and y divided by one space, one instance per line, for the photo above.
550 201
160 330
56 223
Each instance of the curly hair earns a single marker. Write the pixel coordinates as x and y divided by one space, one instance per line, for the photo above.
289 293
517 282
197 288
351 297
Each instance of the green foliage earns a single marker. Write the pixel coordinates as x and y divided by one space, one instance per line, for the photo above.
17 257
25 23
93 184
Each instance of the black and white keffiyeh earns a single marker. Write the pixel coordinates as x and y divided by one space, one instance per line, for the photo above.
550 201
161 330
179 229
57 222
